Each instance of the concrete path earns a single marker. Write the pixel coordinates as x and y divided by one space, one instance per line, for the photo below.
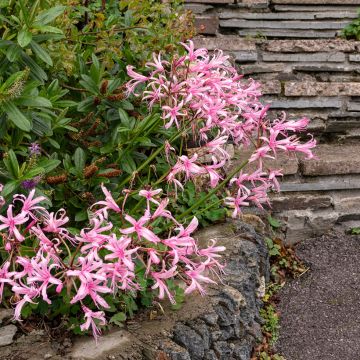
320 311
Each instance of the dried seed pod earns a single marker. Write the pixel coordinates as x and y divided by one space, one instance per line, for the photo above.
88 196
116 97
110 174
104 86
94 126
59 179
97 100
90 170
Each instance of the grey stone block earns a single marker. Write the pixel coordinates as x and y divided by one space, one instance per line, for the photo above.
301 15
324 68
314 57
305 104
228 42
317 2
207 24
7 334
310 46
303 34
353 106
198 8
211 1
323 8
354 57
284 25
233 14
268 68
245 56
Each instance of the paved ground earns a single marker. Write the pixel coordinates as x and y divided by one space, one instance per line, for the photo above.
320 311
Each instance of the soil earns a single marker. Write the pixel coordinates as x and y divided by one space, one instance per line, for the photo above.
320 311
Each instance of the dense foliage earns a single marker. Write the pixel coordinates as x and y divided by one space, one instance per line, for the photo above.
75 129
352 30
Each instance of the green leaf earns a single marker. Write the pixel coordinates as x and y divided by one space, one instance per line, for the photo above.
47 16
49 164
127 164
41 53
33 172
89 84
48 29
24 37
16 116
124 117
273 222
54 143
79 159
81 215
9 187
34 101
12 164
13 52
118 319
36 71
18 76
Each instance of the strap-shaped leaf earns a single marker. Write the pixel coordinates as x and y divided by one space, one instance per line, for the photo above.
41 53
16 116
47 16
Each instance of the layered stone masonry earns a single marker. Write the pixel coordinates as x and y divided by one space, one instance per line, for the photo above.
293 48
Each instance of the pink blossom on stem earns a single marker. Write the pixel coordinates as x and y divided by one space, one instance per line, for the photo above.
10 222
90 317
109 203
139 228
160 284
196 277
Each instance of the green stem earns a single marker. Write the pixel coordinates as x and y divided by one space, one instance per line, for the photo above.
150 159
138 132
213 191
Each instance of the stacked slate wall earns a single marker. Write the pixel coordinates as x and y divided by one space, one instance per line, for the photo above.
294 48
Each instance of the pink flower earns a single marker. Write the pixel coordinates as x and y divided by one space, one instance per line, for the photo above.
5 277
192 53
153 259
173 113
12 221
94 237
119 251
237 203
29 292
92 278
29 202
90 317
159 278
189 166
195 275
149 196
158 64
136 79
41 273
214 175
139 228
109 203
55 221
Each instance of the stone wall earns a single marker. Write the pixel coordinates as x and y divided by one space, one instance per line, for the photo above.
293 48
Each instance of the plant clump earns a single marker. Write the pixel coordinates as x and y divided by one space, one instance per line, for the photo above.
109 167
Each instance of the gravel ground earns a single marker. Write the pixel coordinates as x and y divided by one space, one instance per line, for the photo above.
320 311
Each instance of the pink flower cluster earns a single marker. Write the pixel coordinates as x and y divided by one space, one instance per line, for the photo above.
203 96
101 259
